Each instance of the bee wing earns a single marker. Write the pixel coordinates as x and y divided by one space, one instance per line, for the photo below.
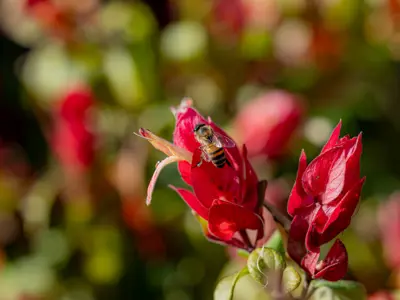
204 154
222 141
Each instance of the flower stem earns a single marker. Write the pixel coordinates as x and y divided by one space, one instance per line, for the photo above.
246 240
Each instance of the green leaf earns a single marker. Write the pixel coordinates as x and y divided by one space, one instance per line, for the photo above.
226 287
275 242
339 290
291 279
264 260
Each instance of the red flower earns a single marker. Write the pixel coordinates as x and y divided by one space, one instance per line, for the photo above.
389 225
322 202
267 124
73 140
227 198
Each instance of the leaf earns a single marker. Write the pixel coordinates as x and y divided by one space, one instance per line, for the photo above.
226 287
275 242
291 279
338 290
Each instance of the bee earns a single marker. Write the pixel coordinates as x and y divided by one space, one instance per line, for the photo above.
212 145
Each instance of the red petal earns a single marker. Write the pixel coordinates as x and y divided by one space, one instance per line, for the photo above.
334 138
336 180
339 217
334 266
226 218
210 183
184 169
249 187
353 163
297 196
323 175
186 120
317 222
192 201
297 234
309 261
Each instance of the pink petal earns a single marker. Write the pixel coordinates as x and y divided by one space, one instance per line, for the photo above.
226 218
334 266
324 170
192 201
297 196
184 169
334 138
156 173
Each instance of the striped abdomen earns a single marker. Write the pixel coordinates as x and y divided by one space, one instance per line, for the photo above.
217 155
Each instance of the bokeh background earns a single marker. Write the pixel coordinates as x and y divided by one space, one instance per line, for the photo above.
79 77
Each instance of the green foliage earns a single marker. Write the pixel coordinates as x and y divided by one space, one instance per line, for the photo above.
339 290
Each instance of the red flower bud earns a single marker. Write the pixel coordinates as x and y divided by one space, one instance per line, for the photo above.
389 225
322 203
72 139
267 124
227 197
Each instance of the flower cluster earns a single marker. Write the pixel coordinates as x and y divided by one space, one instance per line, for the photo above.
322 202
227 197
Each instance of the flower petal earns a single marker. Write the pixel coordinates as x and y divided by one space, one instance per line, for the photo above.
210 183
353 163
186 120
159 167
192 201
165 146
325 174
334 266
297 196
339 217
249 187
334 138
226 218
336 180
309 261
184 169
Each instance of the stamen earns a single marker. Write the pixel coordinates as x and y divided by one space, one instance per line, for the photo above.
159 166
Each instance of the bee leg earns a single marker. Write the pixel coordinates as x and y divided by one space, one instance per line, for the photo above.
200 162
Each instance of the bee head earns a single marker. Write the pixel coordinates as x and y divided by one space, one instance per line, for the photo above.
202 131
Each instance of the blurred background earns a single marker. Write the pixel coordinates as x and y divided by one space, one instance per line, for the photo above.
79 77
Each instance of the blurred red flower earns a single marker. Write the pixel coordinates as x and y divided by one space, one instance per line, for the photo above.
322 203
227 198
267 124
382 295
73 140
389 225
